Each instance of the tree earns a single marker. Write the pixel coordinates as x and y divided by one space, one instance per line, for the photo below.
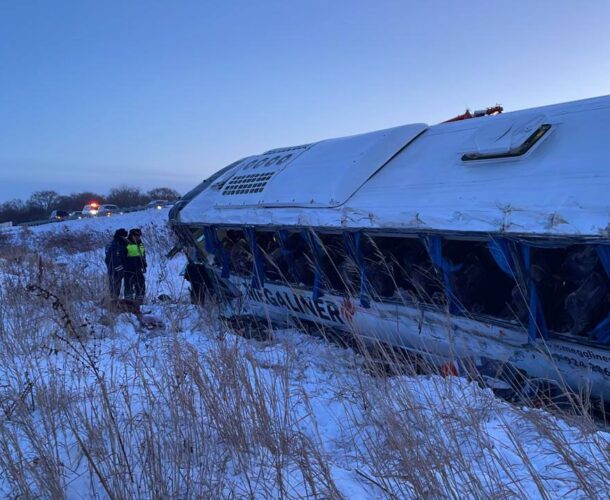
13 211
45 201
163 193
41 203
76 201
126 196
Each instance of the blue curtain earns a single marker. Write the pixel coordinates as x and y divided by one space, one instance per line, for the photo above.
601 332
353 247
211 241
214 247
434 245
504 256
318 280
258 271
518 266
603 251
537 324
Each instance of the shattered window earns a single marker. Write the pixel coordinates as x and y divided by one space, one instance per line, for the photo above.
273 258
572 287
480 286
198 238
400 268
296 262
335 264
237 250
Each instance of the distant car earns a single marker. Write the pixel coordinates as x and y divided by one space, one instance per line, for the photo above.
108 210
90 210
58 214
75 215
158 204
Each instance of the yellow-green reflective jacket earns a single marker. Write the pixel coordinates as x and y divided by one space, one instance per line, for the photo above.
136 260
135 250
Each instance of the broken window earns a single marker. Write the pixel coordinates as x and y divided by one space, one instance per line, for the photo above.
189 241
573 288
378 267
400 268
333 262
236 249
198 239
479 285
195 244
274 261
415 273
298 258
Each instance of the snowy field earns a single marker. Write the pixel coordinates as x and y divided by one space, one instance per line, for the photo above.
93 405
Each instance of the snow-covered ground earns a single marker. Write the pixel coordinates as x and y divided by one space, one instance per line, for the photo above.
95 405
142 218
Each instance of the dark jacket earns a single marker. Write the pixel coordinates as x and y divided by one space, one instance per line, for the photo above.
136 258
116 255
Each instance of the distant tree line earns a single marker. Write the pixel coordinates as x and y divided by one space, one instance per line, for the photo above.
41 203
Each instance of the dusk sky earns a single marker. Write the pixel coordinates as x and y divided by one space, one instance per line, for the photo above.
94 94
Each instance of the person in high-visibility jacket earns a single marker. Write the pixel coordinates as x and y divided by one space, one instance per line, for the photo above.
135 267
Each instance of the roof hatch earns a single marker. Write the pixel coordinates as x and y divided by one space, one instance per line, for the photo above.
506 138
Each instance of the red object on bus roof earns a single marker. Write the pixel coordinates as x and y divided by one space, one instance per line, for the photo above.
494 110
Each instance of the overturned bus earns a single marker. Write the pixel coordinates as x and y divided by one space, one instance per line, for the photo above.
480 242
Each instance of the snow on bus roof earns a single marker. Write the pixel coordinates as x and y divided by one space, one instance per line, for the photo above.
543 170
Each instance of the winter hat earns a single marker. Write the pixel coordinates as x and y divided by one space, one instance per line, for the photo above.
122 232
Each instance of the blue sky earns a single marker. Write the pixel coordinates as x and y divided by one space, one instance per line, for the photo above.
155 93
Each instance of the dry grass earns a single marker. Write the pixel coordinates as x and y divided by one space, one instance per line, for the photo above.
91 403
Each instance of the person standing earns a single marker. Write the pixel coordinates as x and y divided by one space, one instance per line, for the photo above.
135 267
116 255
